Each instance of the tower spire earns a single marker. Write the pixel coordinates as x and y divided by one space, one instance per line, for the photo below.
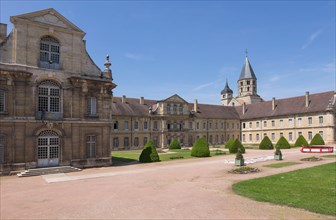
246 53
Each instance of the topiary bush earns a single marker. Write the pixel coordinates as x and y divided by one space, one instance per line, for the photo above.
266 144
317 140
200 148
229 143
283 143
301 141
149 153
235 146
175 144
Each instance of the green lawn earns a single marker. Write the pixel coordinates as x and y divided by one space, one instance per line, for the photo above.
282 164
313 189
133 155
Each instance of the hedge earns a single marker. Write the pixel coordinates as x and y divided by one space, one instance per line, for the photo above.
317 140
200 148
175 144
283 143
229 143
301 141
235 146
149 153
266 144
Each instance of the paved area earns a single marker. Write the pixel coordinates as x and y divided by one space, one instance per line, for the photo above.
181 189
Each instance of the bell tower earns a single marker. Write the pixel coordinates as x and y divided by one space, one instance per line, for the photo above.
226 95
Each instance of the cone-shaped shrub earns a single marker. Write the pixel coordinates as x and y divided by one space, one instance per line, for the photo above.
149 153
175 144
235 146
266 144
283 143
200 148
301 141
229 143
317 140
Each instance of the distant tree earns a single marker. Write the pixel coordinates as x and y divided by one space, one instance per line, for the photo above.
175 144
283 143
266 144
235 146
229 143
317 140
200 148
149 153
301 141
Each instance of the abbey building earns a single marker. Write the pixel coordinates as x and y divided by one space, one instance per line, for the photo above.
57 106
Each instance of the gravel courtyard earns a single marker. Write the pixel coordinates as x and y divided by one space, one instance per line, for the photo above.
181 189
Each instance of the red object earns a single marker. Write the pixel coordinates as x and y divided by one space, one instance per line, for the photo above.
317 149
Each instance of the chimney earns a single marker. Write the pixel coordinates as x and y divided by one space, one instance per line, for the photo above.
244 108
142 101
3 32
273 103
195 105
123 99
307 99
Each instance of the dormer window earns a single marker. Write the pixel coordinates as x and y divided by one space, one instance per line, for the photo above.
49 53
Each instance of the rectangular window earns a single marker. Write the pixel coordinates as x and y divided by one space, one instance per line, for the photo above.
91 146
250 125
92 106
257 137
126 125
136 125
210 125
320 119
197 125
232 126
145 141
126 143
290 122
265 124
310 120
238 126
243 137
321 133
281 134
190 125
310 135
136 142
299 121
115 125
155 126
281 123
273 123
222 125
116 143
257 124
2 101
273 136
210 139
265 134
290 136
250 137
204 126
243 125
299 134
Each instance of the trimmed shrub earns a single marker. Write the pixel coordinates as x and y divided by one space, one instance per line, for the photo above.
175 144
229 143
235 146
266 144
200 148
301 141
282 143
317 140
149 153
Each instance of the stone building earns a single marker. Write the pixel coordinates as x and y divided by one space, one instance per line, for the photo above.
55 102
57 107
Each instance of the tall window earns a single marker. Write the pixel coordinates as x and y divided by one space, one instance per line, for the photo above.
116 142
91 146
299 121
174 109
265 124
126 143
257 137
145 139
250 137
136 125
2 149
181 109
92 106
250 125
310 120
49 98
116 125
273 123
2 101
290 122
273 136
310 135
320 119
168 108
243 137
190 125
155 126
281 123
145 125
321 133
126 125
290 136
257 124
49 53
136 141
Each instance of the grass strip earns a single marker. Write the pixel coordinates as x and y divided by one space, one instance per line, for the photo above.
283 164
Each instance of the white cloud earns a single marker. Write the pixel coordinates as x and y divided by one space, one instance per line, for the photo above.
311 39
134 56
205 85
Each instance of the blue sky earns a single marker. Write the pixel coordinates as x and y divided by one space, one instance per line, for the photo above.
159 48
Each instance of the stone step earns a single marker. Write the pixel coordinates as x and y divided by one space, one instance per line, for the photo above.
48 170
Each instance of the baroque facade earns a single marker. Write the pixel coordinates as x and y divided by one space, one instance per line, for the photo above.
57 106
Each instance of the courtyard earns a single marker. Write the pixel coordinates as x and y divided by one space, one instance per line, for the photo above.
179 189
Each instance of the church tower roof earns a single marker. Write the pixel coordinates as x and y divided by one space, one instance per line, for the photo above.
226 89
247 71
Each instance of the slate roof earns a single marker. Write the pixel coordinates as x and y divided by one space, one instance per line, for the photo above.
226 89
288 106
247 71
215 111
131 107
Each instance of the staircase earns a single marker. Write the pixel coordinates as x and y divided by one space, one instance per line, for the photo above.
48 170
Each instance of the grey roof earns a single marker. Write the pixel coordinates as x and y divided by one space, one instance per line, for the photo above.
247 71
226 89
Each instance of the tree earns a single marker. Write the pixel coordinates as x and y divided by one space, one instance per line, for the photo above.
200 148
317 140
283 143
149 153
175 144
229 143
236 145
266 144
301 141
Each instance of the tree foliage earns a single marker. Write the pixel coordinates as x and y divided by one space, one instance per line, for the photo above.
175 144
149 153
200 148
236 145
317 140
266 144
282 143
301 141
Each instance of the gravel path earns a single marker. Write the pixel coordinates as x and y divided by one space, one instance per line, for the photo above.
180 189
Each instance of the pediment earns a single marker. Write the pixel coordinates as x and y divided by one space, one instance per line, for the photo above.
175 99
50 17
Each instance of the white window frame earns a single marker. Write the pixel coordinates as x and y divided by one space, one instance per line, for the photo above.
91 145
92 106
47 98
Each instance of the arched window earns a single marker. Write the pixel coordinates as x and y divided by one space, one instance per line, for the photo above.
49 52
49 97
48 148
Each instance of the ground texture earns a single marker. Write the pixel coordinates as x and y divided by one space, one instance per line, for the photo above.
181 189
